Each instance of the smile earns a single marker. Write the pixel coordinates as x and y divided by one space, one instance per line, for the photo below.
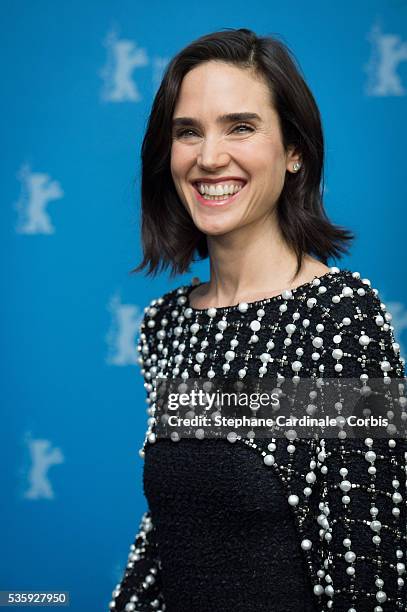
216 200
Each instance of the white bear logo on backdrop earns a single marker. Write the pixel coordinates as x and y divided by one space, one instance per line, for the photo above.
122 335
123 58
43 455
388 51
37 191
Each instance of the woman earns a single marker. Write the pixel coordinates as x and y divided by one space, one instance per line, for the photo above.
232 167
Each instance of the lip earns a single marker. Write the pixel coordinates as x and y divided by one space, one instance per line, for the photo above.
221 179
213 203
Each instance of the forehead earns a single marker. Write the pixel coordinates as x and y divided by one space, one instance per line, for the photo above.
217 87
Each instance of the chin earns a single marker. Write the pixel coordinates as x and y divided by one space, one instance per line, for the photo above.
215 228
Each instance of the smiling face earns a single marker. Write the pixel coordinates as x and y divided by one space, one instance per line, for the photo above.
226 128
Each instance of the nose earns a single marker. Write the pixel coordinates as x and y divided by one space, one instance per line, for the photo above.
212 155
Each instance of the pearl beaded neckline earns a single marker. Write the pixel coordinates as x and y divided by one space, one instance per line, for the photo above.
243 306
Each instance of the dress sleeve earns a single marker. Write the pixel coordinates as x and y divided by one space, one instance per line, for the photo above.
140 589
364 538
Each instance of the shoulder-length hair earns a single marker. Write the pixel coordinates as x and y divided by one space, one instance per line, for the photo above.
170 239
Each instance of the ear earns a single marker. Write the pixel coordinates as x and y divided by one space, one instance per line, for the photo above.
293 155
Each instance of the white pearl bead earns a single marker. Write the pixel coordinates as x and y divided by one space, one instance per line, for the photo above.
255 326
397 498
243 306
306 544
370 456
375 526
293 500
347 292
269 460
381 596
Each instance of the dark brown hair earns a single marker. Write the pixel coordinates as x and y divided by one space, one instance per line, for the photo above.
170 238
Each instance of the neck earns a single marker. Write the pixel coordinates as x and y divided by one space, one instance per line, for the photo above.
251 262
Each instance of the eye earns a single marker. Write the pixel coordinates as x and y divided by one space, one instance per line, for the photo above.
243 125
184 132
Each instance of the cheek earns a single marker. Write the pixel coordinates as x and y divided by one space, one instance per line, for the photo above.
180 160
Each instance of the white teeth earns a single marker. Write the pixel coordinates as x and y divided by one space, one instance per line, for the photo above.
219 189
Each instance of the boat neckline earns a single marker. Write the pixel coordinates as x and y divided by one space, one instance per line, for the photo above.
257 303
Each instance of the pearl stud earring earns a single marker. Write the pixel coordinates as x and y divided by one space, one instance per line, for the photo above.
296 166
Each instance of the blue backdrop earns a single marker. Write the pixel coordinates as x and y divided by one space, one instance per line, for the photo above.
78 82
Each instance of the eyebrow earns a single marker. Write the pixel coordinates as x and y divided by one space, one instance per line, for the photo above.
222 119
